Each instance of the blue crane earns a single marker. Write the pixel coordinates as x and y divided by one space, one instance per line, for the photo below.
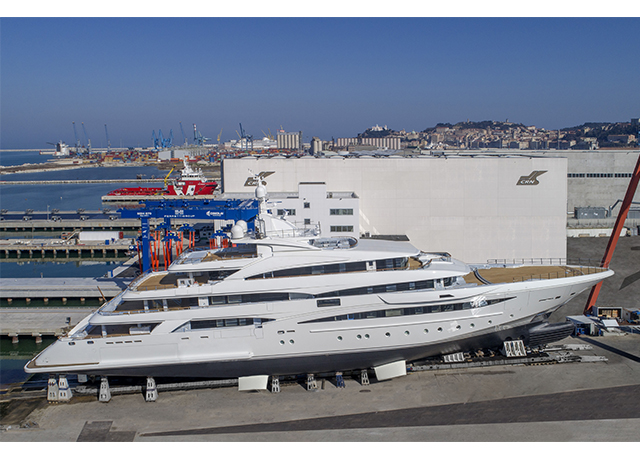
161 142
75 133
198 138
87 139
184 138
248 140
233 209
108 141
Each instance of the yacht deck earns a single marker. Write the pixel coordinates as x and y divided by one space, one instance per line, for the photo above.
497 275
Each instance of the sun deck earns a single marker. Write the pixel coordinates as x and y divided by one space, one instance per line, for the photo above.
495 275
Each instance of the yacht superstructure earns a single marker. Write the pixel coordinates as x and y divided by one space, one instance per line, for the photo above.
284 301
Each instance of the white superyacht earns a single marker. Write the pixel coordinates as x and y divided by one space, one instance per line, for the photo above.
284 301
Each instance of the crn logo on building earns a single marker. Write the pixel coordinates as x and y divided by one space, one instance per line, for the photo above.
531 179
254 180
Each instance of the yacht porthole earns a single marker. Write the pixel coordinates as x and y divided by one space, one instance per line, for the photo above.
490 322
366 336
426 331
339 337
458 327
291 342
358 336
282 342
387 334
472 325
439 329
511 315
406 332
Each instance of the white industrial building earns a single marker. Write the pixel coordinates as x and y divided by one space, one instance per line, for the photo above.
334 213
477 207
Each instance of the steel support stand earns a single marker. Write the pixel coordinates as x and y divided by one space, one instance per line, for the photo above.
105 393
52 389
312 385
152 390
275 384
64 392
364 378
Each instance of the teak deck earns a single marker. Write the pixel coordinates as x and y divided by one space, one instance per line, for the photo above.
496 275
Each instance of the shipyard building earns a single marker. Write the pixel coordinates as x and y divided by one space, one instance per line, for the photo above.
477 208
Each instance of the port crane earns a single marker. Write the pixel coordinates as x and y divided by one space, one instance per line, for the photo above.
75 133
161 142
198 138
220 134
87 139
108 141
184 138
248 139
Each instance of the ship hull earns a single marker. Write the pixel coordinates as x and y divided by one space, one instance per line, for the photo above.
531 334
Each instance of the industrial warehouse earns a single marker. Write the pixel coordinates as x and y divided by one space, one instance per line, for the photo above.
478 206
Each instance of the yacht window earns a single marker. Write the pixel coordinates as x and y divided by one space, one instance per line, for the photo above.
402 311
216 323
328 302
131 305
234 299
120 329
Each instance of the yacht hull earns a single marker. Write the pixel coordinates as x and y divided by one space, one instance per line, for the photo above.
531 334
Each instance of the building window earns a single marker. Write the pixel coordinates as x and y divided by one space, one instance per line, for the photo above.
291 212
307 205
341 212
307 221
342 228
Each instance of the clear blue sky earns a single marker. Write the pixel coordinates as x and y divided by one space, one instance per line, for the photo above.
327 77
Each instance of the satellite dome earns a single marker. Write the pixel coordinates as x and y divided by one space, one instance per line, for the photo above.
237 232
243 224
261 191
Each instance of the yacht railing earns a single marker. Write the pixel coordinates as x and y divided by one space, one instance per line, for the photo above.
580 262
568 272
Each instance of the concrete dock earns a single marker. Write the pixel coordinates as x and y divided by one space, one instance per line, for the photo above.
563 402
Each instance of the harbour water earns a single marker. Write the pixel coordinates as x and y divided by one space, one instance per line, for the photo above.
14 356
42 269
20 158
68 197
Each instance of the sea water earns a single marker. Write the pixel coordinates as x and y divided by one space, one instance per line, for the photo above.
14 356
69 197
20 158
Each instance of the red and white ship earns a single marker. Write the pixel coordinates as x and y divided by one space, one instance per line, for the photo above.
190 183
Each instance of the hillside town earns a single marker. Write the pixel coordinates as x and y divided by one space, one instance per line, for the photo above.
501 135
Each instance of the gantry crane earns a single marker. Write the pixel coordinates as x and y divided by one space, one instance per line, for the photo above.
184 138
75 133
86 138
108 141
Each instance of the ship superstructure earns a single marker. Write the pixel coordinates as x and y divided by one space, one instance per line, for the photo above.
191 182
